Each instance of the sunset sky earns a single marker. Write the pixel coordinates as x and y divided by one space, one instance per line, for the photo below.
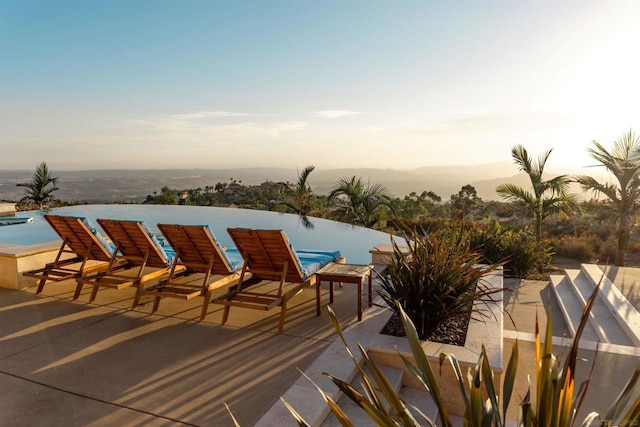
104 84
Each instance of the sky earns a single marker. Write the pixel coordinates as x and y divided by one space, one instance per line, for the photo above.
142 84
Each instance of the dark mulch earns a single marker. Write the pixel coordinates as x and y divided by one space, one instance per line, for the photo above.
451 331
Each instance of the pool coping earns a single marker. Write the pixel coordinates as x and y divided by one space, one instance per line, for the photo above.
16 259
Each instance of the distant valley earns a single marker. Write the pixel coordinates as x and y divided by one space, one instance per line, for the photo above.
132 186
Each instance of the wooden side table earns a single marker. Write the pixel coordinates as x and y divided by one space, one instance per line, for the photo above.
344 273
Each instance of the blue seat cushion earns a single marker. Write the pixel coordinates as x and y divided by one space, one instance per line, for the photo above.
233 257
313 260
168 257
110 247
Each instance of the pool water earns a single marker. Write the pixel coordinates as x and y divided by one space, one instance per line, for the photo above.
353 242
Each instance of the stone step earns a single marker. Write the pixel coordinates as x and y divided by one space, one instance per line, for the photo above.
356 414
417 400
571 307
601 317
627 316
422 401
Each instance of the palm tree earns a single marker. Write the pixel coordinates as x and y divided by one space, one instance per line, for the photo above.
360 204
623 161
38 190
548 197
301 193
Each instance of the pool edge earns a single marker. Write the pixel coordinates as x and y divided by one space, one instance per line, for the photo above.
16 259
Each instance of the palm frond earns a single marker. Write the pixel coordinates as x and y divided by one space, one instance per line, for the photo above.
512 192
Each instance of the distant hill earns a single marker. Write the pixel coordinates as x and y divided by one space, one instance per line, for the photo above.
130 185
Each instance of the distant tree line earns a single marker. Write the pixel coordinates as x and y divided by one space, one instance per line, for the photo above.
546 206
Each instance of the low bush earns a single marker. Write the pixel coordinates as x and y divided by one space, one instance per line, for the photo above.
633 247
608 249
583 248
516 248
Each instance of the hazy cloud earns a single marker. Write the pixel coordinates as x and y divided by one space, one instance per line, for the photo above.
207 115
335 114
190 125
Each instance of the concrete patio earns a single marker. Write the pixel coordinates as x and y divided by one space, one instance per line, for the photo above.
77 364
70 363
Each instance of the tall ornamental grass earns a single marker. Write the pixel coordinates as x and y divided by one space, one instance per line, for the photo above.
436 280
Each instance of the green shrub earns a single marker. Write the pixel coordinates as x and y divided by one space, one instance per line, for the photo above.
525 253
516 248
437 279
487 239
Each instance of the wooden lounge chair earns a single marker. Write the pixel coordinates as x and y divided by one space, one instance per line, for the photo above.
199 252
139 248
268 256
83 251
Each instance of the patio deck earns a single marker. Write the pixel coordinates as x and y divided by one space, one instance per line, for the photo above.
77 364
70 363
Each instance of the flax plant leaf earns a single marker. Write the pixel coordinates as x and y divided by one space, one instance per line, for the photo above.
487 377
301 422
235 422
509 380
423 365
458 373
335 408
387 390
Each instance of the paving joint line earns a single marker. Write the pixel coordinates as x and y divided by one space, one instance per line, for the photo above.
95 399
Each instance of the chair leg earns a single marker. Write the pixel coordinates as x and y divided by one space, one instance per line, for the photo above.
283 313
41 284
225 313
136 299
94 292
156 304
76 294
205 305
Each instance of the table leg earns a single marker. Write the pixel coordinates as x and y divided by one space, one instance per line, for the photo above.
318 297
359 300
331 292
370 291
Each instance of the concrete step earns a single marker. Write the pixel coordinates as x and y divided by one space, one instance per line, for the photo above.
413 397
621 309
571 307
422 401
357 415
601 317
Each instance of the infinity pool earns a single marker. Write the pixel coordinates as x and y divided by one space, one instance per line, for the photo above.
353 242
